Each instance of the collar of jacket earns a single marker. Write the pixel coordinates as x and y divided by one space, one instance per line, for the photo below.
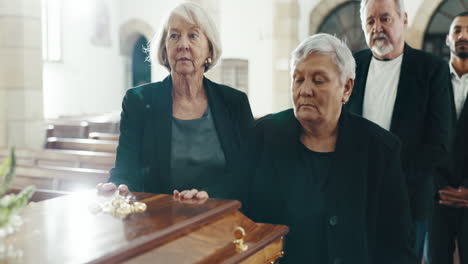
162 127
348 150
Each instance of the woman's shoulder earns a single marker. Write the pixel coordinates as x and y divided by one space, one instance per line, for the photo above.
145 91
278 124
148 87
226 90
278 118
371 131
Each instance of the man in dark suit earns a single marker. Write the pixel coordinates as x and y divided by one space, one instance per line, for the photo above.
450 220
405 91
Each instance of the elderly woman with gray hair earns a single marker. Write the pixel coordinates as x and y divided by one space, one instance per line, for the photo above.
333 177
186 131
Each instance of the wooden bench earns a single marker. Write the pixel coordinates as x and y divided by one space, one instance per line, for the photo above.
104 136
62 158
72 128
103 127
82 144
77 129
58 178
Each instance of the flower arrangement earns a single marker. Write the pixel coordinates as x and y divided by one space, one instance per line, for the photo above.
11 204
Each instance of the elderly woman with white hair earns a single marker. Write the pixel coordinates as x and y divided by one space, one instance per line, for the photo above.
333 177
186 131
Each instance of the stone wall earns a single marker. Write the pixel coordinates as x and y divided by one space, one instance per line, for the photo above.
21 99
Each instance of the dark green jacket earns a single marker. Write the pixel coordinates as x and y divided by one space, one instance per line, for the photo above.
366 201
144 151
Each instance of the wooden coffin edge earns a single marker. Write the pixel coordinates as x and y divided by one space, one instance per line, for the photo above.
278 232
277 247
148 242
281 231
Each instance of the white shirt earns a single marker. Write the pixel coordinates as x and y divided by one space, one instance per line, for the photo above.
381 90
460 89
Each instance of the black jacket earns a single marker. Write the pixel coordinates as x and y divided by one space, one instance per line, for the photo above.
459 159
365 193
144 151
422 119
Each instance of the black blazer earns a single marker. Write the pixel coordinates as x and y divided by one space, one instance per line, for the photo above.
459 159
144 150
365 192
422 119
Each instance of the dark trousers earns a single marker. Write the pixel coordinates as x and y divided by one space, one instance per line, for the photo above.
447 225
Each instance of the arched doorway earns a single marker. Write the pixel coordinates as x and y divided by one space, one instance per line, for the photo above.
131 42
345 23
141 67
434 37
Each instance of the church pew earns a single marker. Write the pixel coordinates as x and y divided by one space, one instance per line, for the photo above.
103 127
62 158
72 128
104 136
69 129
77 159
82 144
58 178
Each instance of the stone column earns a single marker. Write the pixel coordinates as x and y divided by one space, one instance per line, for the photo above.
21 97
285 39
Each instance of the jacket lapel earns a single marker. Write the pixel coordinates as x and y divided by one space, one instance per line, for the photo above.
406 92
286 150
463 131
346 189
460 147
222 121
162 123
463 120
347 169
360 84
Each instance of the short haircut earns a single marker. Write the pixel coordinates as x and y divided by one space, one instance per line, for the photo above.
329 45
462 14
400 8
193 14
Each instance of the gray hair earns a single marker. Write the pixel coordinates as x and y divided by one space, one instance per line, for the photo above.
326 44
400 8
193 14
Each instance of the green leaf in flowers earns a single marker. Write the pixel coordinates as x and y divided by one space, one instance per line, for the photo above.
21 199
4 216
3 172
3 169
6 179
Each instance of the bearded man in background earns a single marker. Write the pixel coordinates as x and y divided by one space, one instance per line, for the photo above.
405 91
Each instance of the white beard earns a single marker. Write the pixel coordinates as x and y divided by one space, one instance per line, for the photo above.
382 49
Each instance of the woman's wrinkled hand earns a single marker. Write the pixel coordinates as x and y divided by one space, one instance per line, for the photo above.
191 196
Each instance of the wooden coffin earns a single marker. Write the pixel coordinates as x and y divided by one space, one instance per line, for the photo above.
64 230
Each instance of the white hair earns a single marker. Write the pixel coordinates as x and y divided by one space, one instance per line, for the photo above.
326 44
193 14
400 9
